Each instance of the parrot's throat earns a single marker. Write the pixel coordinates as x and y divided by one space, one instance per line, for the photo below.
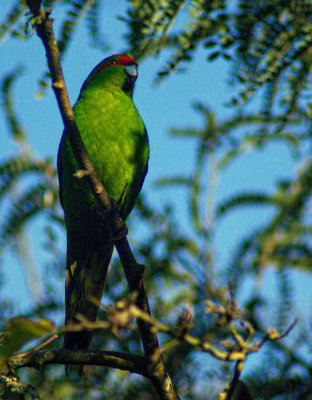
128 86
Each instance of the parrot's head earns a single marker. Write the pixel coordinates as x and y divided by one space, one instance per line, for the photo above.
117 70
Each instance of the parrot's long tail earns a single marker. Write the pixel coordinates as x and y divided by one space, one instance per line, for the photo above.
86 270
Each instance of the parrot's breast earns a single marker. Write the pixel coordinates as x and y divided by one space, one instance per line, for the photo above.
115 138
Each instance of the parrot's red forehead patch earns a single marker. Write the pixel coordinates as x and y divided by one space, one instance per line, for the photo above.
122 60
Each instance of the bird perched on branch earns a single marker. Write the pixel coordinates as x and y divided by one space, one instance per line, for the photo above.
116 140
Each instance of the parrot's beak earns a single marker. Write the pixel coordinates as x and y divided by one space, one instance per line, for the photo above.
131 70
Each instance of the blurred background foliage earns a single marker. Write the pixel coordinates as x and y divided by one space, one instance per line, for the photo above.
268 47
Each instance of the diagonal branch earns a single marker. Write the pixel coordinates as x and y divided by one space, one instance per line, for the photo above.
133 271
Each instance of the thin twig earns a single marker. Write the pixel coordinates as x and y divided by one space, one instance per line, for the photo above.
40 346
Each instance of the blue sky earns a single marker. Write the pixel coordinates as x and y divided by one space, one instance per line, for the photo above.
163 107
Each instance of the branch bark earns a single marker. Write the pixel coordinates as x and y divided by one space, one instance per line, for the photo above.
133 271
113 359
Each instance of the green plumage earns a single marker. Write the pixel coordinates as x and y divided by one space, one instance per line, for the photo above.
116 140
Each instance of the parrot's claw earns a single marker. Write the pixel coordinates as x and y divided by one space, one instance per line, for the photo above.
121 232
113 219
120 228
102 212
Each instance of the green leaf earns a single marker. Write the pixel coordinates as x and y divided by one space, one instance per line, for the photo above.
214 55
244 199
173 181
18 331
210 43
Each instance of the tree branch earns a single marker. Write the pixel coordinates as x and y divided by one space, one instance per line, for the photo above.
134 272
113 359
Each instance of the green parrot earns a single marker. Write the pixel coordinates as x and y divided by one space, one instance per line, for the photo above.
116 140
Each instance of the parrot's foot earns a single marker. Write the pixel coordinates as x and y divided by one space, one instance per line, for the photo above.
117 227
120 229
100 211
104 213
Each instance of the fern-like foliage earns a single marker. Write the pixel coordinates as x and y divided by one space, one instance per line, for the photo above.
14 124
30 203
23 203
94 27
273 41
149 23
206 23
17 167
285 241
11 26
76 11
228 137
238 200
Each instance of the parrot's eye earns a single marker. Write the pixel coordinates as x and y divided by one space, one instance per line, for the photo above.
112 63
